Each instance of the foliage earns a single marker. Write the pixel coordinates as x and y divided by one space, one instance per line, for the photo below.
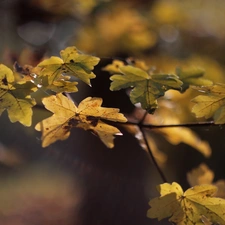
147 86
174 83
189 206
87 116
212 104
15 97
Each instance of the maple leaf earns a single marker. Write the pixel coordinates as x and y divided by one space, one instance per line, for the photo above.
212 104
72 63
15 97
146 88
187 208
204 175
87 115
200 175
192 76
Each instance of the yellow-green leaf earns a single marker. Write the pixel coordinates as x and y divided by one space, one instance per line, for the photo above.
187 208
211 104
87 116
192 76
146 88
72 63
63 86
114 67
15 97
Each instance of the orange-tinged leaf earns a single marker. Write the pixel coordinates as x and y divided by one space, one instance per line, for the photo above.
187 208
87 116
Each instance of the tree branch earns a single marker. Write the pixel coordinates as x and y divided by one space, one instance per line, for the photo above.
152 158
195 124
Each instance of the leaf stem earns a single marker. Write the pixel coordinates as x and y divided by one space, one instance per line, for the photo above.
151 156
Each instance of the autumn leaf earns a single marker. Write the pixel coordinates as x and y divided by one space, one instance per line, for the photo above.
192 76
88 116
15 97
146 88
211 104
187 208
164 116
72 63
177 135
114 67
204 175
200 175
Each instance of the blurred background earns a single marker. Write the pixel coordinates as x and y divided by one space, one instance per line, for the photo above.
80 181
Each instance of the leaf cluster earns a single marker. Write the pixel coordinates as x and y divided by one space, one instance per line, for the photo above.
59 76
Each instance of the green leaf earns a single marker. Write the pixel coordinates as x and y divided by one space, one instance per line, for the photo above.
211 104
187 208
146 88
192 76
15 97
72 63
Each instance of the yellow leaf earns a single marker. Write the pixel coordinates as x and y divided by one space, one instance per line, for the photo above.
104 131
114 67
87 116
187 208
212 104
72 63
200 175
177 135
204 175
166 115
15 97
56 127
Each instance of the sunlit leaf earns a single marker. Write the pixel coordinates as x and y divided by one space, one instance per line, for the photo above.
204 175
211 104
187 208
72 63
146 88
87 116
177 135
15 97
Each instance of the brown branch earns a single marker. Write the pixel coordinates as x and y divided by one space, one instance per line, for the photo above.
194 124
152 158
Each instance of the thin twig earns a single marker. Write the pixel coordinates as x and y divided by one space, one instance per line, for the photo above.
151 156
196 124
143 118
